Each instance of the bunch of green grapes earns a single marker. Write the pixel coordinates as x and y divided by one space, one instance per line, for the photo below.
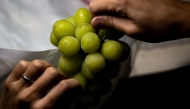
93 57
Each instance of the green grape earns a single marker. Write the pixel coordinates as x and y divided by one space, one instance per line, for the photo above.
126 51
80 78
69 45
95 62
56 23
86 72
70 64
63 28
82 15
101 34
82 29
111 50
70 19
53 39
90 42
110 34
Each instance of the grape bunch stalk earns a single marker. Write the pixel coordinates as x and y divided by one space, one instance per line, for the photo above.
93 57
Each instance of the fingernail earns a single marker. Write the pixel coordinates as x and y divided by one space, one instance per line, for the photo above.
97 22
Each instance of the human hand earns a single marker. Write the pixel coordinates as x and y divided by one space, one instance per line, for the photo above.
50 89
145 20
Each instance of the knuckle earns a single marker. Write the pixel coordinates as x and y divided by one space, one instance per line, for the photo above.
93 8
37 63
119 10
65 85
27 96
8 85
24 97
91 5
110 22
23 64
52 71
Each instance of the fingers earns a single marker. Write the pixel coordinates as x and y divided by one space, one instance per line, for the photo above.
97 7
115 15
34 70
18 70
50 84
65 91
122 24
47 80
49 89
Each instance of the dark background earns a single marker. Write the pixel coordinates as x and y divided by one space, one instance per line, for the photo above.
166 89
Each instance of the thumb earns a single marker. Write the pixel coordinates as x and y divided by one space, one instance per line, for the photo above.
122 24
